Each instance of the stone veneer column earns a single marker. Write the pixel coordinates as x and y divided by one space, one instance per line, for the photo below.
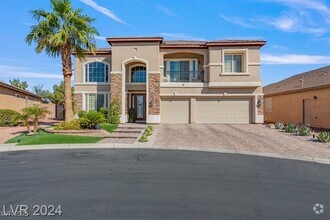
115 87
78 102
154 98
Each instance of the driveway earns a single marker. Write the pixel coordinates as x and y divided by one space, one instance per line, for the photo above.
255 138
163 184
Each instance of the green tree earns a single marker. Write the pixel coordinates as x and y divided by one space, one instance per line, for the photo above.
17 83
42 92
60 32
58 95
35 112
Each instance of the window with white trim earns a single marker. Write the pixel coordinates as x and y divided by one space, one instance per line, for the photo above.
94 101
233 63
97 72
138 74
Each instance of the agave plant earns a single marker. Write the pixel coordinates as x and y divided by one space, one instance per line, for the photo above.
304 131
324 137
290 128
278 125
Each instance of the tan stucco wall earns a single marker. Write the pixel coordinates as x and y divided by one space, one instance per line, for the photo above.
79 65
289 107
9 101
91 88
205 91
146 51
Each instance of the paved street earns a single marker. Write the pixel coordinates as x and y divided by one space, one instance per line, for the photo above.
159 184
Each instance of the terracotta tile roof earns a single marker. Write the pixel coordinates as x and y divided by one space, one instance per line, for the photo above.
303 81
2 84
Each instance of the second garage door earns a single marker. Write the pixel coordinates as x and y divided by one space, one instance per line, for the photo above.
174 110
231 111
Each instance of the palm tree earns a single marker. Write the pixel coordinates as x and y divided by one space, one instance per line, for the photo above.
36 112
60 32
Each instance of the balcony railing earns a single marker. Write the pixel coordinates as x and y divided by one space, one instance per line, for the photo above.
183 76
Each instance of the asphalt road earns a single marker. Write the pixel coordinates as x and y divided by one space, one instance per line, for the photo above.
158 184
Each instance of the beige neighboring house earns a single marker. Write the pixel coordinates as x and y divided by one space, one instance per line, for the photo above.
174 81
15 98
303 98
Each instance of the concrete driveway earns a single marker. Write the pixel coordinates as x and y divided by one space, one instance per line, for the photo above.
255 138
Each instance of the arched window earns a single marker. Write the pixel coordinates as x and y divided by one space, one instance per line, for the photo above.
138 74
96 72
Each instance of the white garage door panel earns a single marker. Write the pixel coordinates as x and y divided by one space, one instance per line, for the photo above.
174 111
231 111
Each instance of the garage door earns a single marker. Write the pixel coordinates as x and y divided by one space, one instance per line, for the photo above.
174 110
231 111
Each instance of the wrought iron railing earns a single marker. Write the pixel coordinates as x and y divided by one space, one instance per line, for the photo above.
184 76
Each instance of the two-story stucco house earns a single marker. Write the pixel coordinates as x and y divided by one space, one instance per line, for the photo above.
174 81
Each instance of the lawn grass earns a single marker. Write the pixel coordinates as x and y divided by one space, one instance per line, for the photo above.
48 138
109 127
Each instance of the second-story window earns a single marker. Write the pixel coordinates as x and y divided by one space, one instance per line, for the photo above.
233 63
138 74
96 72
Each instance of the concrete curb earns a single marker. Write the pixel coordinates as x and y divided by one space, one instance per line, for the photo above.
12 147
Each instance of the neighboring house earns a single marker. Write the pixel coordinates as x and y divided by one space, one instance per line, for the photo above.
15 98
303 98
174 81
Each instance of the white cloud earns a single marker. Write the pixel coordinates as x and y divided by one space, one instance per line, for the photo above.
101 38
284 23
305 4
21 72
103 10
181 36
165 10
294 59
237 21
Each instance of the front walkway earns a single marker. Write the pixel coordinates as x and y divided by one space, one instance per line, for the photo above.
252 138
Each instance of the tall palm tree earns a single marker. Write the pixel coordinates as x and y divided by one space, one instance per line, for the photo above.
60 32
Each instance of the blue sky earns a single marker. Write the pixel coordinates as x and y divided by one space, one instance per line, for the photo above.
297 31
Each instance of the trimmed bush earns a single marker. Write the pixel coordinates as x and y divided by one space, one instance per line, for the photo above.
149 127
8 117
105 112
115 111
290 128
304 131
82 114
278 125
143 138
324 137
92 118
73 125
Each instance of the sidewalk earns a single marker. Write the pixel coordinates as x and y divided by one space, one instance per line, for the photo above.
12 147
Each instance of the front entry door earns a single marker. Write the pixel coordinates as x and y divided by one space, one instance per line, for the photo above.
140 106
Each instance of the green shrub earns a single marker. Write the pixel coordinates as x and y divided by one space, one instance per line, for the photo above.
92 118
149 127
82 114
290 128
278 125
131 115
8 117
324 137
105 112
143 138
73 125
147 132
115 112
304 131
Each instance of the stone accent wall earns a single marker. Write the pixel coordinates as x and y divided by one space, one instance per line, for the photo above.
78 102
115 86
154 92
260 104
